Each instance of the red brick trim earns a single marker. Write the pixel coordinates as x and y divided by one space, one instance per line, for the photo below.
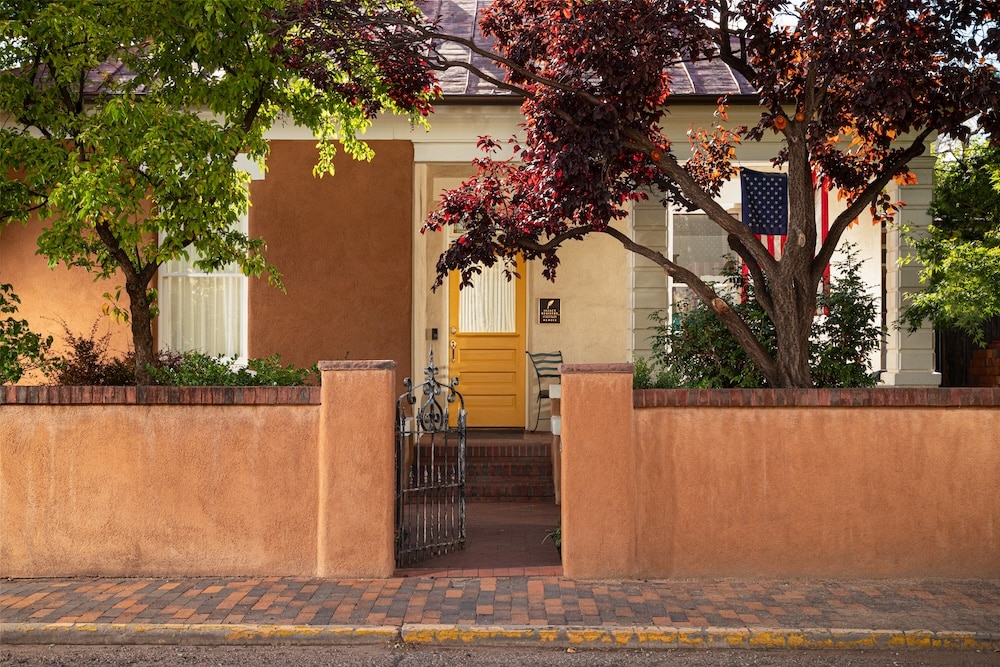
24 395
567 369
360 365
881 396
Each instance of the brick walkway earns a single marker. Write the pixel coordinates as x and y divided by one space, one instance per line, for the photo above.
526 609
967 606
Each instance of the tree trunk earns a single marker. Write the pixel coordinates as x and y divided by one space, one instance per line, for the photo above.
137 278
792 325
793 287
142 328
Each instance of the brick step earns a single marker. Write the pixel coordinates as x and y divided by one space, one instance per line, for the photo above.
499 451
504 470
477 452
500 489
510 469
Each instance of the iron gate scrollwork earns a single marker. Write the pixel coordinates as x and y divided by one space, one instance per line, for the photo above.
430 469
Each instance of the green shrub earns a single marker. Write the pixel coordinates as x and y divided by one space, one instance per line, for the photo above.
21 350
846 334
89 363
697 350
199 369
650 375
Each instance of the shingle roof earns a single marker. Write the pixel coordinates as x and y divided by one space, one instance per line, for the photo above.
460 18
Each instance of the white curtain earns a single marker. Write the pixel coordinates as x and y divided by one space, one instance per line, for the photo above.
489 305
202 312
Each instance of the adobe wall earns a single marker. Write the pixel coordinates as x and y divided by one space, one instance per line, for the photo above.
797 483
169 481
50 297
343 247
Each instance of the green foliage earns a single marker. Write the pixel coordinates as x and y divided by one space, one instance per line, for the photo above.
961 251
845 335
21 349
556 536
698 350
123 120
199 369
649 374
89 362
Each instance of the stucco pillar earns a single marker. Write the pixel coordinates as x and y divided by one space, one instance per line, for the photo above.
909 356
356 470
598 471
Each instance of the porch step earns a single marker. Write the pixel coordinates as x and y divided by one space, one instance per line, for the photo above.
509 471
505 490
510 468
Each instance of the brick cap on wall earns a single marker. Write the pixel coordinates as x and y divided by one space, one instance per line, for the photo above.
361 365
568 369
60 395
879 396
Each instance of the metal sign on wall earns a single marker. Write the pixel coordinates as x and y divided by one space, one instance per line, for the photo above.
549 311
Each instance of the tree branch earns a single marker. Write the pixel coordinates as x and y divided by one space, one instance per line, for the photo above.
863 201
729 317
115 249
557 240
761 291
697 195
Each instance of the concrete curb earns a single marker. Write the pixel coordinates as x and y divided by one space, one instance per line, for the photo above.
193 634
649 638
655 637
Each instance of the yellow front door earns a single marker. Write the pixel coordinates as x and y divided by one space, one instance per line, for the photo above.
486 347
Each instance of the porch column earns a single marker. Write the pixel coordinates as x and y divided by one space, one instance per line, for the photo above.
356 470
909 359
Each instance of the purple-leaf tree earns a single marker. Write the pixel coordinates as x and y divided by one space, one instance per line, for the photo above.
855 89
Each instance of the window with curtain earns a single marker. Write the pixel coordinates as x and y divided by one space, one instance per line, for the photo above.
490 305
202 312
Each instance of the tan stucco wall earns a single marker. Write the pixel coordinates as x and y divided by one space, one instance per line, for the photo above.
151 486
804 491
592 283
50 297
343 246
357 470
157 490
822 491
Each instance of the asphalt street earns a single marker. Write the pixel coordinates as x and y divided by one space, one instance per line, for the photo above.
399 655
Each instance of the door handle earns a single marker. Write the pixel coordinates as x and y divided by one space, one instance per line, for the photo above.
454 344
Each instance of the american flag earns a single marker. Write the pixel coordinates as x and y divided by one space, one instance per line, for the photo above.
765 207
765 211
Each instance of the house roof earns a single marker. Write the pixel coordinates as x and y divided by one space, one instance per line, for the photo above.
460 18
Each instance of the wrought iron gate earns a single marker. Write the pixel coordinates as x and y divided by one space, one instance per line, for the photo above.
430 469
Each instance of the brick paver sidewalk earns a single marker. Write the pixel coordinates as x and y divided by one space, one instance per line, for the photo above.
962 608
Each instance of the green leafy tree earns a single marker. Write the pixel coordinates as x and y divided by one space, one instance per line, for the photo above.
121 120
21 349
853 89
960 253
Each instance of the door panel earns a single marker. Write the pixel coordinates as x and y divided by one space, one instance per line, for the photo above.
489 364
